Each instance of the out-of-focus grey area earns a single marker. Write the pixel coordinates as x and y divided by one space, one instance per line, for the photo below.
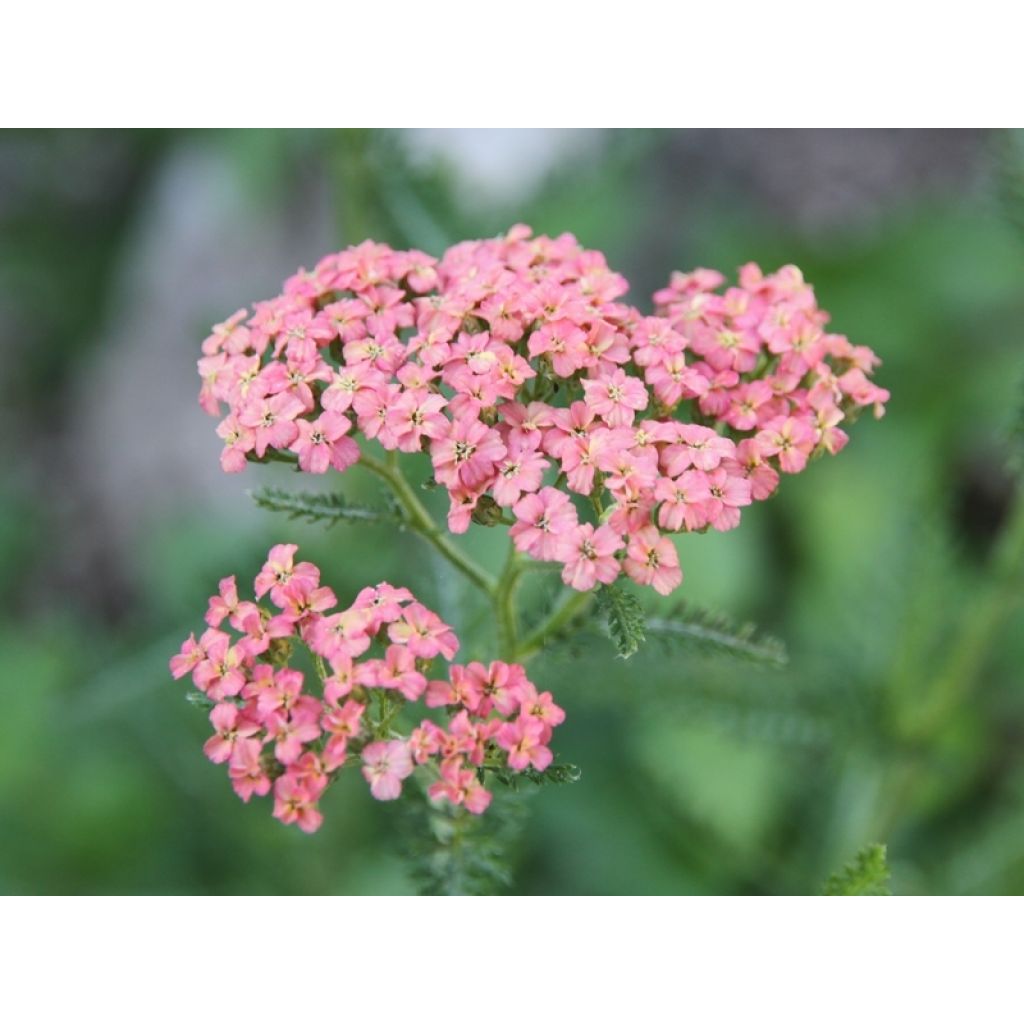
890 572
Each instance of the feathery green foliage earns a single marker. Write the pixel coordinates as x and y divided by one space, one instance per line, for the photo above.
455 853
717 634
328 508
866 875
625 618
556 773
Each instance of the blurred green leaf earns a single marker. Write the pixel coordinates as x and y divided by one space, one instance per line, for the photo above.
688 625
328 508
866 875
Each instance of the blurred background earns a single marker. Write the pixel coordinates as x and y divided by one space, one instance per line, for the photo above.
893 574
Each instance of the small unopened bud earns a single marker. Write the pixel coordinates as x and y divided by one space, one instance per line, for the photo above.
487 512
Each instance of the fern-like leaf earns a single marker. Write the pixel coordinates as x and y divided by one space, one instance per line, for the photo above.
625 618
555 774
866 875
454 853
716 634
328 508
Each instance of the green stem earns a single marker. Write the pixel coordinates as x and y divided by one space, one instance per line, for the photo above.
420 520
505 617
554 624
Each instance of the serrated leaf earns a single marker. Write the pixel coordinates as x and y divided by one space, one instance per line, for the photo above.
866 875
625 618
717 634
556 774
328 508
452 852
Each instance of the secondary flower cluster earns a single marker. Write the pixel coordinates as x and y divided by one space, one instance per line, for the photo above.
371 660
542 399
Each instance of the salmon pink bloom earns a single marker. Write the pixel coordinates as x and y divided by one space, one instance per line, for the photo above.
543 521
231 725
397 671
322 443
728 494
652 561
238 440
589 557
542 708
466 453
790 439
280 568
385 765
246 770
295 803
424 633
522 470
274 733
272 421
523 739
221 674
615 397
460 785
696 446
684 501
414 416
191 654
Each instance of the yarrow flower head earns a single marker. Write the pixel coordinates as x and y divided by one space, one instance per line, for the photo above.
514 363
290 732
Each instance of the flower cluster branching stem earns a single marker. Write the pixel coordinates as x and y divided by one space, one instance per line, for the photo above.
421 521
501 591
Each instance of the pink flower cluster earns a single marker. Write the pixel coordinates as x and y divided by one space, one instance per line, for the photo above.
370 661
541 398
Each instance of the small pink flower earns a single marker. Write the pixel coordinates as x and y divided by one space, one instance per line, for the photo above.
238 440
385 765
322 443
790 439
280 569
652 560
521 471
295 803
729 493
466 453
224 604
272 421
424 633
397 671
191 655
523 739
543 522
415 416
246 770
684 501
590 557
697 446
460 785
231 726
615 397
